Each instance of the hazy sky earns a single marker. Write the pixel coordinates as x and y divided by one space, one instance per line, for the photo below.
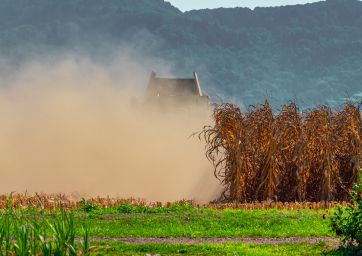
185 5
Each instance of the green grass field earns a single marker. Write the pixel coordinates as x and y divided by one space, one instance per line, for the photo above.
195 223
183 221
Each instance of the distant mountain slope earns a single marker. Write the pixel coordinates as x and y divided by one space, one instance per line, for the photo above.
310 52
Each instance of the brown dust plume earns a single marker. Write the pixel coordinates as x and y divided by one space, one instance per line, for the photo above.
70 127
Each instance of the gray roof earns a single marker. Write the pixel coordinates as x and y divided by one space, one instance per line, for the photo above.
173 87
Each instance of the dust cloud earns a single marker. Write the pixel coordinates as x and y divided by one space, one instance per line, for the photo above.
70 127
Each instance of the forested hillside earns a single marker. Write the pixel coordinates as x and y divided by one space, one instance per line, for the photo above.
311 53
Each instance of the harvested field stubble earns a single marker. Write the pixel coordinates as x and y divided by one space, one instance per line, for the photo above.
290 156
56 202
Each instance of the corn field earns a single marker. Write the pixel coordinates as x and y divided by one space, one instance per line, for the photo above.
290 156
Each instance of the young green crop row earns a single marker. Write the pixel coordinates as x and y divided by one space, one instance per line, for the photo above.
20 235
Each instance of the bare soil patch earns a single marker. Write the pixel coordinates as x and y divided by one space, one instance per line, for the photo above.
332 242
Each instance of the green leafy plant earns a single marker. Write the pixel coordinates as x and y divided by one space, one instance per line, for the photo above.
25 236
86 248
21 246
6 234
347 221
87 206
127 208
64 234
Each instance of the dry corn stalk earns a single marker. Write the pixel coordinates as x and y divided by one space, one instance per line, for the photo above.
289 156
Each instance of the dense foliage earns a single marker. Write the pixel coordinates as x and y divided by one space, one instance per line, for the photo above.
311 53
347 221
